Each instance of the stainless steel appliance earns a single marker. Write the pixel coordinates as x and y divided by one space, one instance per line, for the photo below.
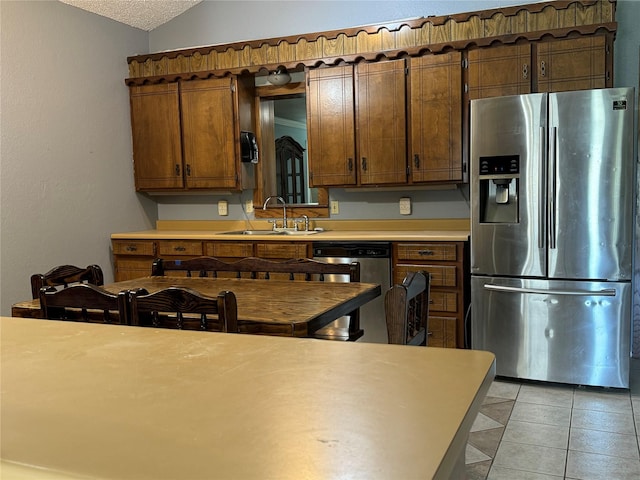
375 267
552 184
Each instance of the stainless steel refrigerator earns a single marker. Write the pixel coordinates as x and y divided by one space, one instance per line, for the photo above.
552 189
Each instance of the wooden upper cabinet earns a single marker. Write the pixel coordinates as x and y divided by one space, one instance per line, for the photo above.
499 71
330 126
572 64
157 144
210 133
579 63
435 107
381 123
186 135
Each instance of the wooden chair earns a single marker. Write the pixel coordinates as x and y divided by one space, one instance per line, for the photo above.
173 306
84 302
406 309
66 275
253 267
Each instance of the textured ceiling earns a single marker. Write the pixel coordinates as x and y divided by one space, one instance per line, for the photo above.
143 14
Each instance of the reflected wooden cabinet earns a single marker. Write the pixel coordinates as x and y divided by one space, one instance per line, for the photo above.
186 135
435 109
552 66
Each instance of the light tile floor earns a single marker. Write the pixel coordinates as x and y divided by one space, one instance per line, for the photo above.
536 431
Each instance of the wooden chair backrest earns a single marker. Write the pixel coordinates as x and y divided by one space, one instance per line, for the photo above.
295 269
406 309
65 275
173 308
84 302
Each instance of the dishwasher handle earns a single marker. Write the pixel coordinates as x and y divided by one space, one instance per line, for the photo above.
352 250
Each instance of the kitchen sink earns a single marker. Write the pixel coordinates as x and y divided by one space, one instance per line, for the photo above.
269 232
299 232
253 232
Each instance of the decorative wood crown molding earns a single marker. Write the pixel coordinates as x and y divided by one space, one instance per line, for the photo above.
533 22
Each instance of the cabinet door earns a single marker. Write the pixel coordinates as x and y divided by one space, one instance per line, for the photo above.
330 126
499 71
155 125
572 64
210 133
381 122
436 117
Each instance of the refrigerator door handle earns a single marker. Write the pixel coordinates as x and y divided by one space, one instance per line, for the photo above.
552 186
607 292
542 174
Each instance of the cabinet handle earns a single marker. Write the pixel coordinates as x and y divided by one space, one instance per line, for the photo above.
188 169
525 71
425 252
543 68
364 163
177 170
131 248
350 164
416 160
179 249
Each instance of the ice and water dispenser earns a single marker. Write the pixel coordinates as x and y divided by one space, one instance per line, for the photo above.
499 179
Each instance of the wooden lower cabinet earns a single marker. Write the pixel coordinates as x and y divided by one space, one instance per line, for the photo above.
447 264
134 258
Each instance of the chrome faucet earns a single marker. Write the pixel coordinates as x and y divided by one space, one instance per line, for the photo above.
284 209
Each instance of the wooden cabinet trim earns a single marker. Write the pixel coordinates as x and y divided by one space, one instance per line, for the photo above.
391 40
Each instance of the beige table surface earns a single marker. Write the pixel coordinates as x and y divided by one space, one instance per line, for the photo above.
86 400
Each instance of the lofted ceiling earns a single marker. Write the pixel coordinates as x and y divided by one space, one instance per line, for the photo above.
143 14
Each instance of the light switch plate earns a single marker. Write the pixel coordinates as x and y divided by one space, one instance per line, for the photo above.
335 207
405 206
223 208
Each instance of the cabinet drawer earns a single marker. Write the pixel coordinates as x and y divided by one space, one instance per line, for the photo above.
428 252
441 275
443 301
441 332
282 250
229 249
180 247
128 247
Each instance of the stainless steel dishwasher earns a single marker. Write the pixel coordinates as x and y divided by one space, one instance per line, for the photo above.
375 267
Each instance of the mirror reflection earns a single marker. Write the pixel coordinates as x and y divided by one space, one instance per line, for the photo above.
285 168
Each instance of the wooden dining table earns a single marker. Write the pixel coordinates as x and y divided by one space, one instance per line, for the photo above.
275 307
85 400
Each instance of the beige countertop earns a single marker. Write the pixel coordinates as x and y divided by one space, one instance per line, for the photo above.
394 230
83 400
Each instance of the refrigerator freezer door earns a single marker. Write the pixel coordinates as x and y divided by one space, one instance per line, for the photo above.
556 331
513 127
591 184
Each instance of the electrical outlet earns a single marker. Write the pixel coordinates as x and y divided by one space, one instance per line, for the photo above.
405 206
248 206
335 207
223 208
